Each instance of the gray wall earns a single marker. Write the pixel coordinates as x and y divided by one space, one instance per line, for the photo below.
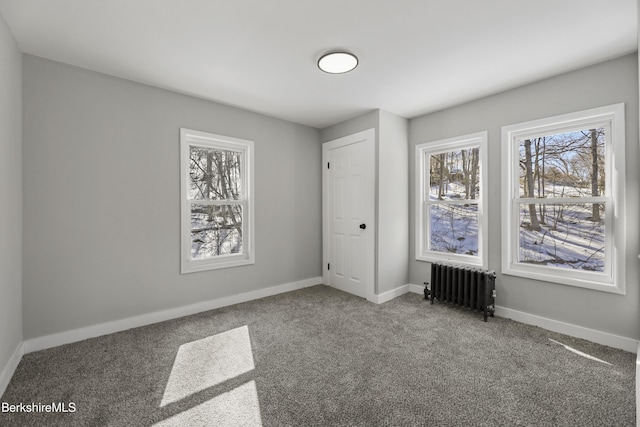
393 202
349 127
10 195
603 84
102 201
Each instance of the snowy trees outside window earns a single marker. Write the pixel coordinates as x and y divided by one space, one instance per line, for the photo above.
451 186
216 229
555 171
217 207
563 202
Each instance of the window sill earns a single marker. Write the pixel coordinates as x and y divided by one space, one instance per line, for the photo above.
193 266
462 260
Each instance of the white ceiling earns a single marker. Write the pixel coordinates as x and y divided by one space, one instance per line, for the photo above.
416 56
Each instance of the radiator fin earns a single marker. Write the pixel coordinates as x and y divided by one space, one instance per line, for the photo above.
462 286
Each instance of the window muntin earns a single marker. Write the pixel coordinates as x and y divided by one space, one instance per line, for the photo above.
217 206
563 206
450 186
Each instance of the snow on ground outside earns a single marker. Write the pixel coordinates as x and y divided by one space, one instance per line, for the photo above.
568 238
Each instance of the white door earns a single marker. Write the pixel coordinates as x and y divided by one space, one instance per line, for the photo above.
349 213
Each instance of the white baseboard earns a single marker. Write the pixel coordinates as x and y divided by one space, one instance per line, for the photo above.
389 295
599 337
10 368
67 337
395 293
416 289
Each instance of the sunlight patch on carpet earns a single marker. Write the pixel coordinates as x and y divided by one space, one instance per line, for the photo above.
208 362
238 407
578 352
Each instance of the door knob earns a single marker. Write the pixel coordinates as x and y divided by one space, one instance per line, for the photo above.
363 226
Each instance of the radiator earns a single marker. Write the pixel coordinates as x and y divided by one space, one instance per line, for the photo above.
466 287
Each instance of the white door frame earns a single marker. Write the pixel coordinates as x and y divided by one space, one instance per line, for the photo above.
368 137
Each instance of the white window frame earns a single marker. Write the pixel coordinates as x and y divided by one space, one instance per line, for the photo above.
423 202
610 117
189 138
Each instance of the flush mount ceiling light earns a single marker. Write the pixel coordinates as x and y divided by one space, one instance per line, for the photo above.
337 62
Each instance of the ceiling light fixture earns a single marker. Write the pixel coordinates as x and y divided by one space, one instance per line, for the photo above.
337 62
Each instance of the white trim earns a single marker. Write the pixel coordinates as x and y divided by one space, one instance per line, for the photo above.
389 295
613 279
416 289
10 368
598 337
54 340
399 291
190 138
480 140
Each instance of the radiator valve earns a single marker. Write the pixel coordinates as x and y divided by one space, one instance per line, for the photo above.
427 290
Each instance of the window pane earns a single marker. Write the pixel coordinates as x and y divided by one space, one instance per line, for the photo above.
455 175
569 164
454 229
215 230
564 235
214 174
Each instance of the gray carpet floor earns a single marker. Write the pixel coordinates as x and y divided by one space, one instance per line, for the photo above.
320 357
